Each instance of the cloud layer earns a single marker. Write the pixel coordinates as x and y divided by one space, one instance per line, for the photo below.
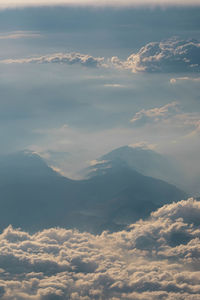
154 259
24 3
171 56
63 58
167 56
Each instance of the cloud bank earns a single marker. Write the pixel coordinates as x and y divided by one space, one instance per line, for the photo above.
62 58
154 259
171 56
168 56
23 3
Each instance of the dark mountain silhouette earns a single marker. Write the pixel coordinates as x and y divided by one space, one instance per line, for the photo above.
33 196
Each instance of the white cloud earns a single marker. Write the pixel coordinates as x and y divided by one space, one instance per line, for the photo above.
155 114
114 85
63 58
153 259
144 145
19 35
186 78
166 56
24 3
97 162
171 116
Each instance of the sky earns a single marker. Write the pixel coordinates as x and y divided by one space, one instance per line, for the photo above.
79 81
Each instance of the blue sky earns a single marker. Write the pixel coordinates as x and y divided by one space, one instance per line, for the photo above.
77 82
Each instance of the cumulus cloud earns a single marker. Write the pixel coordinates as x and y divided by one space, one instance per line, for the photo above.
62 58
24 3
167 56
154 259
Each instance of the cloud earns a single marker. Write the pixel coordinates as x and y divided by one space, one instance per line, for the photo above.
169 115
97 162
153 259
144 145
62 58
19 35
114 85
166 56
24 3
155 114
186 78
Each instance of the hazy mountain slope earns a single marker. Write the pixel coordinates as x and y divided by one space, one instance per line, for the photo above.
145 161
33 196
122 195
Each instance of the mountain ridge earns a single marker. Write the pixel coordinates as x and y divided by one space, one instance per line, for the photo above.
107 201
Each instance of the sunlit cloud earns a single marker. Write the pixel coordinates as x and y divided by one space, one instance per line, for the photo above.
62 58
183 79
155 114
114 85
97 162
144 145
170 56
151 260
169 115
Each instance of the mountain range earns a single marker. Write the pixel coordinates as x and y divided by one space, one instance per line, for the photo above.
117 191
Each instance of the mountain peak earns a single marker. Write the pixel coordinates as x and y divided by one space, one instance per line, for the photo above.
145 161
24 164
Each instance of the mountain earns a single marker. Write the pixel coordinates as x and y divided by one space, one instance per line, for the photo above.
144 161
34 197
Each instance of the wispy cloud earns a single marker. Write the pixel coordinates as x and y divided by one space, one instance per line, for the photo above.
114 85
144 145
155 114
180 79
169 115
19 35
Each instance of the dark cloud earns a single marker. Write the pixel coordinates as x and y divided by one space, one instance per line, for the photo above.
142 262
166 56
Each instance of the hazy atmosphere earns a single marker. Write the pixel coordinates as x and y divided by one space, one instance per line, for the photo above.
99 157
